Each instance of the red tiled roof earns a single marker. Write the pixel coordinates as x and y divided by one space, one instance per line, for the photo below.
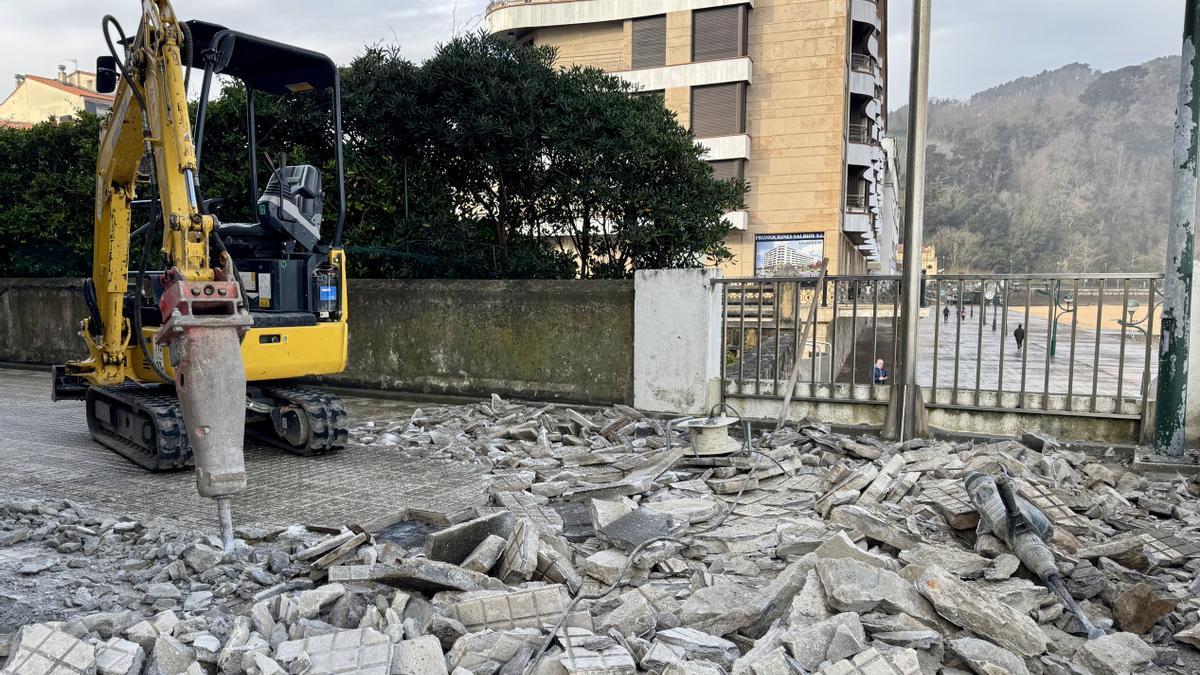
70 89
15 125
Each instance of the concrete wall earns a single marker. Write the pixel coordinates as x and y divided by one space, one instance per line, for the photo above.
677 340
544 339
39 320
547 340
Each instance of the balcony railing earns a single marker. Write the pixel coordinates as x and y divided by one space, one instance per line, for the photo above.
856 201
860 132
864 63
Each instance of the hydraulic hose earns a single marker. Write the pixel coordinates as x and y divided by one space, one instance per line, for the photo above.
156 214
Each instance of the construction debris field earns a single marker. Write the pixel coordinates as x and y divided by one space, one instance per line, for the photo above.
506 537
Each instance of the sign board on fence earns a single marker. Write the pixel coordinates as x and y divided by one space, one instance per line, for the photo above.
788 255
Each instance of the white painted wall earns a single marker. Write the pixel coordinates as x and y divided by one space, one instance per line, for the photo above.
676 340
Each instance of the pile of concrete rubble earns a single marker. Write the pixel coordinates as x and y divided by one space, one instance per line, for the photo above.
606 550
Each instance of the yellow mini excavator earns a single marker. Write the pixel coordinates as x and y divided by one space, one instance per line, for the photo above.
185 361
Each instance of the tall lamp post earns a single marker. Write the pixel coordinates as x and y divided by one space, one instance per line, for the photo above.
1170 411
906 410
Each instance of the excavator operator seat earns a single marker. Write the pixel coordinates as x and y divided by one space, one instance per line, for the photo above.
291 204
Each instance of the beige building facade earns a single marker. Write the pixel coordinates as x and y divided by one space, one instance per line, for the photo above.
788 94
41 99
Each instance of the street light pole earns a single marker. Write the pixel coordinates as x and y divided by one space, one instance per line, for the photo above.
906 410
1171 406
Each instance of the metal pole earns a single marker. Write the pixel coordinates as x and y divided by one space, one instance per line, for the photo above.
1171 405
906 414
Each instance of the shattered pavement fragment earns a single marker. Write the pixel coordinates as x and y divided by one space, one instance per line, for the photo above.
361 651
41 648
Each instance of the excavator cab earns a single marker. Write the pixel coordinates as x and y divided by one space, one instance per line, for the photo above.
282 256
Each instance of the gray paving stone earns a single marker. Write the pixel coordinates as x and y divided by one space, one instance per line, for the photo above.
362 651
45 650
119 657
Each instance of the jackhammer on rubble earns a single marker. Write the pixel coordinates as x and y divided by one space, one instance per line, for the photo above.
1025 529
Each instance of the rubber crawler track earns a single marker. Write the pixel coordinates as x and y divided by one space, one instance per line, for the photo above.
167 450
327 419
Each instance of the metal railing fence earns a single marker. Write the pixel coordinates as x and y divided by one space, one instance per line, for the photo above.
1087 348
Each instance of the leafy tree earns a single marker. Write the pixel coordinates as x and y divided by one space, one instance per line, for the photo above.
47 188
486 161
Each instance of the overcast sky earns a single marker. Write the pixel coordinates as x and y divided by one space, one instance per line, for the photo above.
976 44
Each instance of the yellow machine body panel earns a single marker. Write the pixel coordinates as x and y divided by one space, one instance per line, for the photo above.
277 353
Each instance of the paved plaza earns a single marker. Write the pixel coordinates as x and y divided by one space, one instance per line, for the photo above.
46 453
979 349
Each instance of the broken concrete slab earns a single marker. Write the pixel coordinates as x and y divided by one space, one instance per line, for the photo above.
988 659
1114 654
455 543
41 648
537 608
519 560
876 662
636 527
963 606
962 563
485 556
417 573
853 586
361 651
119 657
420 656
809 645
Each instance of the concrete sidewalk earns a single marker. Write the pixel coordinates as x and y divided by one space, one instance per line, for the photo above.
46 453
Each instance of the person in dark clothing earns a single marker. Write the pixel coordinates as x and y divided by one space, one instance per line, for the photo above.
946 313
880 374
1019 336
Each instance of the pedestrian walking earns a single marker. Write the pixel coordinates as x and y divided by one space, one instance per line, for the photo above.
963 314
1019 335
880 374
946 314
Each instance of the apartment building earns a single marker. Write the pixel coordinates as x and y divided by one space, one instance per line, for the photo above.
788 94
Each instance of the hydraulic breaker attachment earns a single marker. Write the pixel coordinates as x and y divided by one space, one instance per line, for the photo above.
204 322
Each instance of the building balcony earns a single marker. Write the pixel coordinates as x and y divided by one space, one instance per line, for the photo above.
864 63
726 147
505 16
690 74
865 11
856 202
861 132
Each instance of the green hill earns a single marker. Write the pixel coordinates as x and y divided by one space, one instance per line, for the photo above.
1067 170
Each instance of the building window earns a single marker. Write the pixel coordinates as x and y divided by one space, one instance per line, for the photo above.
719 110
727 169
719 33
651 93
650 42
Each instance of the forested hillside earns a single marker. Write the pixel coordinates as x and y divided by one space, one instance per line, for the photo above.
1068 170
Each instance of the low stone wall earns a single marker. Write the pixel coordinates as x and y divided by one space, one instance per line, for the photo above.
543 339
39 320
538 339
